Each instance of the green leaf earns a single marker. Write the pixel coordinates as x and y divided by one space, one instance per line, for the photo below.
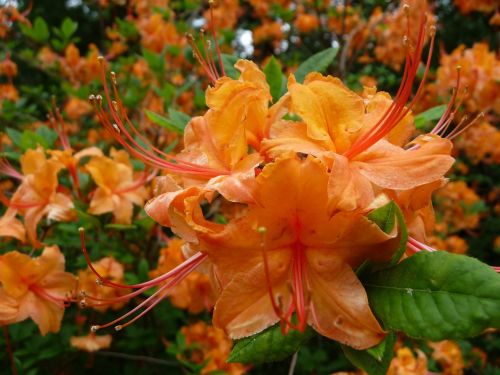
156 61
48 134
68 27
385 217
436 296
431 114
30 139
318 62
87 221
228 61
14 135
40 30
376 360
163 122
268 346
178 119
272 70
120 226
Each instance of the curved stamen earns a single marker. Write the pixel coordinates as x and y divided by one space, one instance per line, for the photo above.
196 259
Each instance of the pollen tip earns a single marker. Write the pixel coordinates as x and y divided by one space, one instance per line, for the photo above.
81 230
118 327
262 230
94 329
100 59
99 282
459 67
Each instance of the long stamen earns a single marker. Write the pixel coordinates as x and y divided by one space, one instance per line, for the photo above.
152 301
214 36
397 110
7 169
121 134
196 259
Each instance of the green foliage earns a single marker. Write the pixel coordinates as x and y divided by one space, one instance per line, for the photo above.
436 296
39 32
274 77
269 345
316 63
423 119
386 217
176 121
228 62
376 360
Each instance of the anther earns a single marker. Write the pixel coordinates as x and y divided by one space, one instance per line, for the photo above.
262 230
115 105
82 303
116 128
113 77
100 59
118 327
432 30
94 329
99 282
406 9
92 98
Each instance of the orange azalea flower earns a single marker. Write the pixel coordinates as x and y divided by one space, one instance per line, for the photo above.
452 244
479 71
224 15
194 293
8 92
473 144
484 6
268 31
8 67
156 32
93 294
76 108
449 356
117 190
405 363
37 196
455 204
91 342
35 288
390 48
293 249
211 347
307 23
337 125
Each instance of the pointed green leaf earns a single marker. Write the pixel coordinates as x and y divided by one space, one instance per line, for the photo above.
436 296
268 346
68 27
376 360
40 30
272 70
163 122
431 114
178 118
318 62
228 61
385 217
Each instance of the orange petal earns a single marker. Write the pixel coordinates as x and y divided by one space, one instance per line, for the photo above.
246 313
331 111
12 227
341 309
391 167
347 188
286 136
